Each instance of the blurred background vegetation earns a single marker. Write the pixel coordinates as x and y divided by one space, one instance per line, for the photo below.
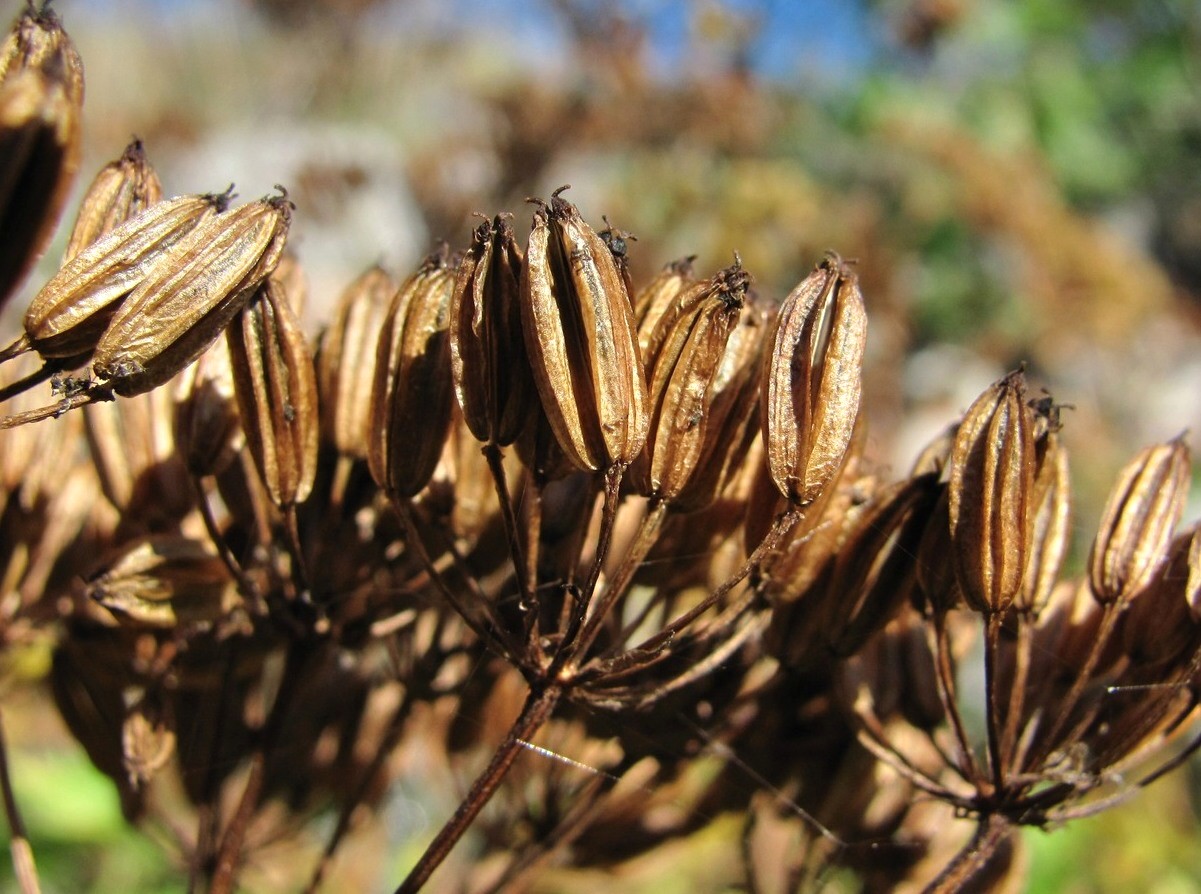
1020 181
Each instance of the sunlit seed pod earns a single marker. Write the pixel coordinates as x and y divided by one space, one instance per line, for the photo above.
1049 515
292 283
190 295
989 496
812 380
579 333
682 373
346 362
1192 590
206 424
492 376
276 387
122 190
164 581
412 395
71 312
657 296
41 104
1140 516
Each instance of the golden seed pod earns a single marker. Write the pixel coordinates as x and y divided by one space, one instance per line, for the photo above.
1136 526
346 363
41 107
190 294
491 372
656 298
682 374
579 332
206 424
164 581
812 380
1192 589
412 395
122 190
1050 515
276 386
989 495
69 315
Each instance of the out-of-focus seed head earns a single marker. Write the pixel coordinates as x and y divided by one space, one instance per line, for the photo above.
1140 516
492 377
579 333
813 380
413 394
276 386
989 496
346 364
682 376
122 190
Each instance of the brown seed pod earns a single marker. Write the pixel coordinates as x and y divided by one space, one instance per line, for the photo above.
412 396
346 363
122 190
207 427
579 332
276 387
989 496
190 295
654 300
492 375
812 380
41 106
1142 512
1050 514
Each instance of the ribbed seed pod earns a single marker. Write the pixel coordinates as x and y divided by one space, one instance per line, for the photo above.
657 296
579 332
346 364
1050 513
412 396
122 190
682 372
70 313
276 386
939 583
812 380
491 372
1136 527
41 106
207 427
190 295
989 496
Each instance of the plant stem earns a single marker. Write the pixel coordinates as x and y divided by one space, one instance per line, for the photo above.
538 707
24 867
991 832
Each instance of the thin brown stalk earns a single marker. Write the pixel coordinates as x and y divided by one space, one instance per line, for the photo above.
1017 694
94 394
508 516
539 706
991 832
23 384
24 868
947 694
245 585
992 648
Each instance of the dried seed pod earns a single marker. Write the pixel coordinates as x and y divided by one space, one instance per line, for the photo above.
207 427
657 297
70 313
122 190
812 380
939 584
412 396
1050 512
1136 527
276 386
682 373
165 581
1192 589
190 295
346 364
41 105
989 497
1158 627
579 332
492 375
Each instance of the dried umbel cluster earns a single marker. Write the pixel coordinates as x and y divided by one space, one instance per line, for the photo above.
626 531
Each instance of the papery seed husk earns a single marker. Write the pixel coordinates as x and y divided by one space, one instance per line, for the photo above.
122 190
1142 512
206 424
936 575
190 295
1157 627
346 363
812 380
276 386
41 103
412 395
492 376
1050 514
992 476
579 332
71 312
654 300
